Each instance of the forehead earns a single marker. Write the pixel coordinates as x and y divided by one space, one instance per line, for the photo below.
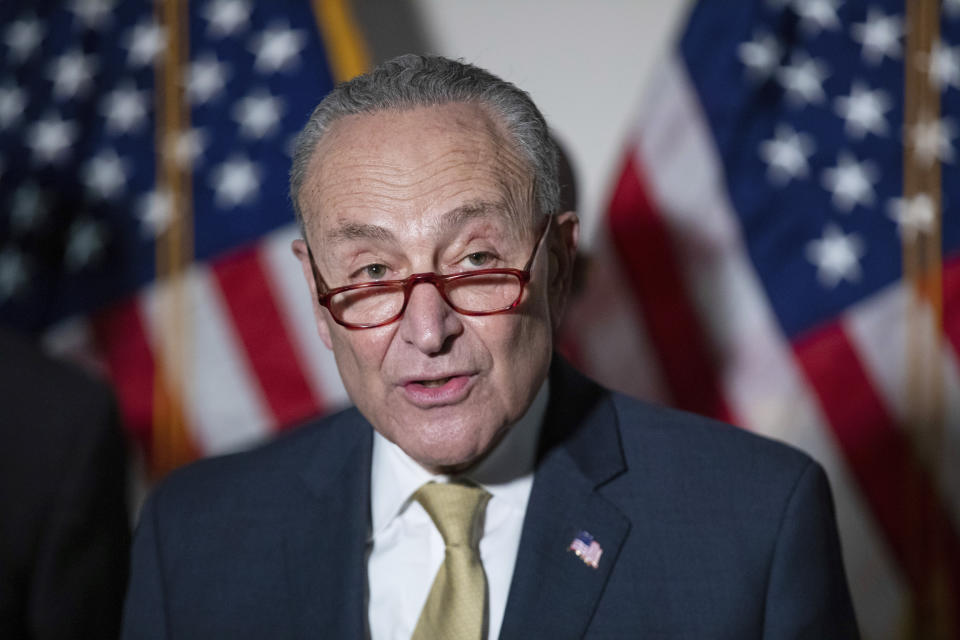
394 168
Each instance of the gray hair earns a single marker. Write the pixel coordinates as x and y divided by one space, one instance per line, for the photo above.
411 81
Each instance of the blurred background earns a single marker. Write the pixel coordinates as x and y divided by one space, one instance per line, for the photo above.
767 190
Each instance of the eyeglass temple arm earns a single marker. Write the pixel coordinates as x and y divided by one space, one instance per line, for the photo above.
322 287
543 234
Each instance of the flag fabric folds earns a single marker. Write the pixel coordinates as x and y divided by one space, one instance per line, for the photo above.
755 264
144 217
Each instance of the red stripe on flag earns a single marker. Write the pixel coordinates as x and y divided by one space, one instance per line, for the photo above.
903 498
121 338
951 301
645 249
263 332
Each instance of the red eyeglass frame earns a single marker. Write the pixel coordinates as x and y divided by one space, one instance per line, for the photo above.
437 280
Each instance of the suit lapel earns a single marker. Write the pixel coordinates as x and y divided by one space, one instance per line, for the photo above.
553 592
325 556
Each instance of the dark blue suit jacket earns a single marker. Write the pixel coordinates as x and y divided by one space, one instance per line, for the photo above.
707 532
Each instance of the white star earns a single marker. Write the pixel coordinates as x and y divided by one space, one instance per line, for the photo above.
105 174
14 271
144 42
50 139
879 36
803 79
125 109
951 8
226 17
817 15
786 155
71 74
188 147
206 78
761 55
85 244
932 140
863 110
851 182
277 48
236 182
13 102
258 114
836 256
29 208
22 38
914 215
943 65
92 13
155 211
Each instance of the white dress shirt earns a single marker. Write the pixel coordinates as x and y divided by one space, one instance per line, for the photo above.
405 549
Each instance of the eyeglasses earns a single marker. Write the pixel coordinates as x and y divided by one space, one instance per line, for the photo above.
482 292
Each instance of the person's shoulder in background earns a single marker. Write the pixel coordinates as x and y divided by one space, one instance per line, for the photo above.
64 525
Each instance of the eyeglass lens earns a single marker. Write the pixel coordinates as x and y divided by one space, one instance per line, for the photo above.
480 293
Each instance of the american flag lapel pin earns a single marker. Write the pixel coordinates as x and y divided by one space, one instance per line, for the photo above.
587 549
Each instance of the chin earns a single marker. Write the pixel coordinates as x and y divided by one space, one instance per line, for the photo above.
450 455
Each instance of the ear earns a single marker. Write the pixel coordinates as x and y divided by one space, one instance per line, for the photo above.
320 316
562 243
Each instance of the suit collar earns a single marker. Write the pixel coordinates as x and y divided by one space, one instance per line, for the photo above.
553 592
582 421
325 555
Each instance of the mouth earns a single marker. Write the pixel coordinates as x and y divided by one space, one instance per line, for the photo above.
434 383
437 391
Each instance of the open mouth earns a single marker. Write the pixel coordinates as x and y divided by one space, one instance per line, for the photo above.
433 392
433 384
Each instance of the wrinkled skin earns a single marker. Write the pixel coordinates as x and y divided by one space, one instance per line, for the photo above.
436 189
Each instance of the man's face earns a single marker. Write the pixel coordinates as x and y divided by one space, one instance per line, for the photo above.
435 189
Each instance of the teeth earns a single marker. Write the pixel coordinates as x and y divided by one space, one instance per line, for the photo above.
431 384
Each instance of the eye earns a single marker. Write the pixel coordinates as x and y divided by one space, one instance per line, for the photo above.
374 271
480 259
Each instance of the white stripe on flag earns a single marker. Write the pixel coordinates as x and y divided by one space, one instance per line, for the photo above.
223 401
293 296
763 385
877 328
610 331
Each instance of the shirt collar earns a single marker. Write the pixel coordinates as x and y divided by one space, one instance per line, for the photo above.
506 472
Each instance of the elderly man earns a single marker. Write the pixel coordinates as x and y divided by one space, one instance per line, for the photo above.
480 488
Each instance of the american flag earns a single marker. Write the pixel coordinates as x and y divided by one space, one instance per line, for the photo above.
99 101
587 549
759 263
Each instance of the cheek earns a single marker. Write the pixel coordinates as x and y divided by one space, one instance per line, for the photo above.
520 345
359 355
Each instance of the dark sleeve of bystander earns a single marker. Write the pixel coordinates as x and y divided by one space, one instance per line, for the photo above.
64 525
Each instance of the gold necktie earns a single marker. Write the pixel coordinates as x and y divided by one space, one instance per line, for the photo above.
456 606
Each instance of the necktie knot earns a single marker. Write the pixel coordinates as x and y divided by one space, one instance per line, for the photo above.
456 510
456 606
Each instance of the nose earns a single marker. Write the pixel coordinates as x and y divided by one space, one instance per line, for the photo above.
429 323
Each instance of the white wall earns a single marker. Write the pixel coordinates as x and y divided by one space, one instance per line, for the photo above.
585 63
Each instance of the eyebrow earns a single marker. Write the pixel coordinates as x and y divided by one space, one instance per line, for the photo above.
356 231
479 209
452 219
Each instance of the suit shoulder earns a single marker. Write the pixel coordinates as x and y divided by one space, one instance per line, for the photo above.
37 389
697 446
236 480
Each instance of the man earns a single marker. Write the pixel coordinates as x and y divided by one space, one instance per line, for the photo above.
64 525
481 488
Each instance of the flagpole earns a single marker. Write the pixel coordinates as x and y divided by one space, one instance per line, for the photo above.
931 615
346 47
174 244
